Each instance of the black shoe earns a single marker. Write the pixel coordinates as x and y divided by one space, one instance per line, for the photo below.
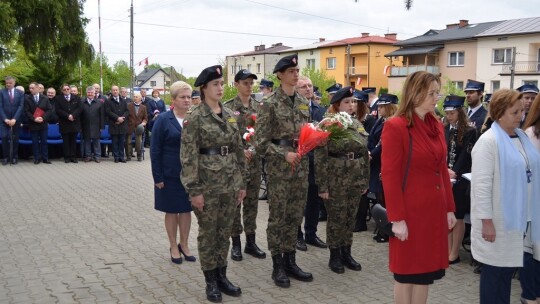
139 157
301 244
37 161
14 161
252 248
104 155
176 260
212 291
224 285
289 264
278 272
189 258
455 261
236 249
73 160
128 158
66 161
46 161
116 160
122 160
335 263
478 269
380 238
317 242
348 260
5 161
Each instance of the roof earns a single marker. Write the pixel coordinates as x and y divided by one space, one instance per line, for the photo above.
309 46
457 33
515 26
415 50
147 74
362 40
274 49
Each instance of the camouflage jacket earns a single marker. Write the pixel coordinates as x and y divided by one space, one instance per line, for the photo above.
202 128
354 173
244 114
279 118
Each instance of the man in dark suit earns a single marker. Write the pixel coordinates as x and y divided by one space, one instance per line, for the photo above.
124 95
38 109
117 115
92 122
51 94
11 113
314 202
474 91
138 117
68 108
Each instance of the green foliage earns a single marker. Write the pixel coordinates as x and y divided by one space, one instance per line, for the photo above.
122 73
229 92
449 88
320 79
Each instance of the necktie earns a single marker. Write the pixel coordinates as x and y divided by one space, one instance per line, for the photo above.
469 113
36 99
10 96
67 97
116 99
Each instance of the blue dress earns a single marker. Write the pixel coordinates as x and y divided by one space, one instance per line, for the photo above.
166 167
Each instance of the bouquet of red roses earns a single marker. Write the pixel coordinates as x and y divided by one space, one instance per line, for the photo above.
310 138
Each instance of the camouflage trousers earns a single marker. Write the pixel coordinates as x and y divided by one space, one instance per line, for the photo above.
287 195
341 207
215 224
249 207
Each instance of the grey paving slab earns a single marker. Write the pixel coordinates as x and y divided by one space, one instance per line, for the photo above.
88 233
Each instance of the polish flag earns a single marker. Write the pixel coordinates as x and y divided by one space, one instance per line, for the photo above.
386 69
358 81
144 61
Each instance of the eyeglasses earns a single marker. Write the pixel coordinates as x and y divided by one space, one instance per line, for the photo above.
435 95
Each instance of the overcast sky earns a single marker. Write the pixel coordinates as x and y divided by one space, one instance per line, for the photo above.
193 34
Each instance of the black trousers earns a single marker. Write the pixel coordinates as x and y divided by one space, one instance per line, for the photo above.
69 146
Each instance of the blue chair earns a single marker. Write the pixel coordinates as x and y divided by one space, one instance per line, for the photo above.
105 138
25 137
53 135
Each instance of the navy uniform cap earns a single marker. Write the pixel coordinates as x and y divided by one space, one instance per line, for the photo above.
473 85
266 83
334 88
452 102
528 88
243 75
387 99
487 98
318 94
209 74
369 89
195 94
286 62
341 94
360 95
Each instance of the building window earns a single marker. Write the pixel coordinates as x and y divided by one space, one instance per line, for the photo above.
152 83
330 63
310 63
458 85
258 67
249 67
456 58
502 56
495 85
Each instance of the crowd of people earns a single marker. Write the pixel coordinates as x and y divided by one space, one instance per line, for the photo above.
480 160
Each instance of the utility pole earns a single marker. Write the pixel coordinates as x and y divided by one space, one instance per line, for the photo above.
100 51
131 51
513 68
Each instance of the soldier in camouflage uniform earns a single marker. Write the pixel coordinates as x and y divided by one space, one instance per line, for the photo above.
280 117
342 168
245 106
213 173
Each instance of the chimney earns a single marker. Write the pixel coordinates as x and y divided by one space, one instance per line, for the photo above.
256 48
452 26
392 36
463 23
261 47
365 34
277 44
322 39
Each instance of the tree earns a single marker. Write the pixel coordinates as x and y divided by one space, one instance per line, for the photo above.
122 73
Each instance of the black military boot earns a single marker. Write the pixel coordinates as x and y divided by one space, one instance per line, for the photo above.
289 263
348 260
335 263
224 285
212 292
236 250
252 248
278 273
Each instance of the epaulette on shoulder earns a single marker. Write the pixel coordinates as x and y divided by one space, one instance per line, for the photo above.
192 108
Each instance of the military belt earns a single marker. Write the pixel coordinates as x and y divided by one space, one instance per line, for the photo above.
223 151
346 155
286 142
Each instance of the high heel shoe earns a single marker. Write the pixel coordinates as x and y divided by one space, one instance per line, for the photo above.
176 260
189 258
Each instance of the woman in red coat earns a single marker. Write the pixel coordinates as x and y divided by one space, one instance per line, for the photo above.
418 191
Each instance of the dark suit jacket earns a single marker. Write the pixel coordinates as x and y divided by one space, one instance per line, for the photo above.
136 119
30 107
152 106
11 110
64 109
113 110
375 148
165 147
478 118
92 118
316 113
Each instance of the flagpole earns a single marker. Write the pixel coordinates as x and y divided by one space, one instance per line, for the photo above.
131 68
100 52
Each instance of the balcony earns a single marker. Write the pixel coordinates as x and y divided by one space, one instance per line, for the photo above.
407 70
358 70
522 67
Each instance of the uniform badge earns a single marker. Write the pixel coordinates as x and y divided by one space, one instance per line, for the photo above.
236 113
231 120
186 122
303 107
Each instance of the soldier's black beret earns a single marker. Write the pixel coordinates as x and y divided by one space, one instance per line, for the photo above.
209 74
286 62
341 94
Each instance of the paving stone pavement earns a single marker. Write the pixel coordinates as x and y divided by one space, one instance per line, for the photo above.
88 233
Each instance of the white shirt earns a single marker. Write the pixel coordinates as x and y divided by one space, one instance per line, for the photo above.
473 110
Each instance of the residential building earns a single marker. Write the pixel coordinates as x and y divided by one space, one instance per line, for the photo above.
359 61
260 61
153 79
308 55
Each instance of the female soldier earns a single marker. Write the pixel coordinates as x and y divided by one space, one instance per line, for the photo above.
213 162
342 175
460 139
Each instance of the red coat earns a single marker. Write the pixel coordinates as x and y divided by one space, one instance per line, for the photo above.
427 197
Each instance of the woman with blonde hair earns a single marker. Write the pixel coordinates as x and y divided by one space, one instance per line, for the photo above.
417 189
